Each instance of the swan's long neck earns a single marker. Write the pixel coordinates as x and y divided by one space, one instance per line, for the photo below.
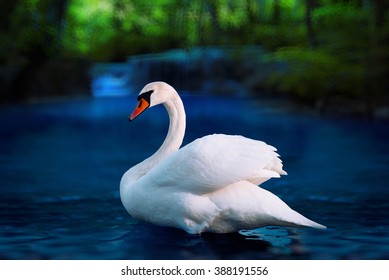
172 142
176 131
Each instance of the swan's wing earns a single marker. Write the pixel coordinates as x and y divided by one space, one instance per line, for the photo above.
216 161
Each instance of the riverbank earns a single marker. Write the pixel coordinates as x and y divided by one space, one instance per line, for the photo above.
233 71
248 71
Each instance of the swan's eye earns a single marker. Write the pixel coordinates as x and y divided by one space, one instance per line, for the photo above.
145 95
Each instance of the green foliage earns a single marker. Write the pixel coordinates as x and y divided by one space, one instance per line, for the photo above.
89 26
308 74
106 29
330 47
274 37
129 27
348 63
313 75
30 26
343 28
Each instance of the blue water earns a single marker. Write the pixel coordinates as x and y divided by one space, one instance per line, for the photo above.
61 163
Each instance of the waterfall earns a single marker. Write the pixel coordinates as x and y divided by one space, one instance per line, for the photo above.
210 69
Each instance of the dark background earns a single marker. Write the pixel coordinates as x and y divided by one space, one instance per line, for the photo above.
334 54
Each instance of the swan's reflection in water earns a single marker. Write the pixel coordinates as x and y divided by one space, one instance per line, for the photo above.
283 241
262 243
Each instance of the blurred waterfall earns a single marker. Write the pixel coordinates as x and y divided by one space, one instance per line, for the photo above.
211 69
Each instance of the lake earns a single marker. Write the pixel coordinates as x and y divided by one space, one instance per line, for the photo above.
61 164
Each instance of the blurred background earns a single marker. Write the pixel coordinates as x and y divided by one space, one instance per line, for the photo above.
307 76
332 55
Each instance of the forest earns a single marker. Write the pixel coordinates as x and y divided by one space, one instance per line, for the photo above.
336 52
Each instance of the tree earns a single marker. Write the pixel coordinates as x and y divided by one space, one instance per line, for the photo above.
309 7
37 45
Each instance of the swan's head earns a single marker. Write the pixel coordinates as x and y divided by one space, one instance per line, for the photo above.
153 94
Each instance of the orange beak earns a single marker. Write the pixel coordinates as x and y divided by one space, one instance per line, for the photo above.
142 105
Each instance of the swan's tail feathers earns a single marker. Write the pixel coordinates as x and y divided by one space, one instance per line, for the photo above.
312 224
300 220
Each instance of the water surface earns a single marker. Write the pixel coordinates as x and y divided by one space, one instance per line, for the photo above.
61 163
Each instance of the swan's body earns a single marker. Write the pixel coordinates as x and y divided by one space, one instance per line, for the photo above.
210 184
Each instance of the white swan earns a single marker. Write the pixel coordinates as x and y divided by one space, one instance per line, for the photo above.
210 185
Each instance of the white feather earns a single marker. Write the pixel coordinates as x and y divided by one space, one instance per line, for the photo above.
216 161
